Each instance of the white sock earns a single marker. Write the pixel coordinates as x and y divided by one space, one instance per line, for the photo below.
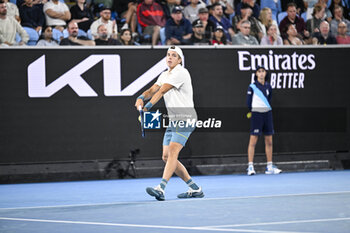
269 164
250 164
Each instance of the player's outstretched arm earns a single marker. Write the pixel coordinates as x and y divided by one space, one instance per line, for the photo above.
146 95
158 95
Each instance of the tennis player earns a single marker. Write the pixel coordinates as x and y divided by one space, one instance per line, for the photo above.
175 86
258 101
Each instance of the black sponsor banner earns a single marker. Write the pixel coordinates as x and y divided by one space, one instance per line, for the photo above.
77 104
235 120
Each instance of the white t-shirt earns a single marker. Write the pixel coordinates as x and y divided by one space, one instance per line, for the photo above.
43 42
178 100
59 7
110 27
12 9
191 13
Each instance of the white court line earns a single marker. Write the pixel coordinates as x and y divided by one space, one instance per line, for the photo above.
281 222
178 200
141 226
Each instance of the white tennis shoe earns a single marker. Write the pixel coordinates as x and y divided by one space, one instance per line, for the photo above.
273 170
192 193
156 192
251 171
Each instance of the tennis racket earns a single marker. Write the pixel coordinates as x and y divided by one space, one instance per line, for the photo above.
142 122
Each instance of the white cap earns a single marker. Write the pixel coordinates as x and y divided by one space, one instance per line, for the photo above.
177 50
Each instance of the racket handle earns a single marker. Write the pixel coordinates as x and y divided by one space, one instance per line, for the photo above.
140 108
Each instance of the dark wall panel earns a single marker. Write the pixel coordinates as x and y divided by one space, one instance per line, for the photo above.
310 101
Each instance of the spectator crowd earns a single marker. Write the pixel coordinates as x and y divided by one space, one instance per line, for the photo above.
173 22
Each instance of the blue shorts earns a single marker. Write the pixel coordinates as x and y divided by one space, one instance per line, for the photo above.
261 122
177 134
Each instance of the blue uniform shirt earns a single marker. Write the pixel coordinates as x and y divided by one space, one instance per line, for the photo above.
256 102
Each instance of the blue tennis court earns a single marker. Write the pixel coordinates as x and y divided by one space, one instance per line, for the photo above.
289 202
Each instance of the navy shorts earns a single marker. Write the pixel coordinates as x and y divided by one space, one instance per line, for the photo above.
261 122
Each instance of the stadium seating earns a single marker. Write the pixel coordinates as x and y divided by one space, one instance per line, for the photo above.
89 35
281 16
80 33
57 35
275 7
304 16
33 35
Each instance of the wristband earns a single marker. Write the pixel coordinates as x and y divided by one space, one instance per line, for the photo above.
148 106
141 97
